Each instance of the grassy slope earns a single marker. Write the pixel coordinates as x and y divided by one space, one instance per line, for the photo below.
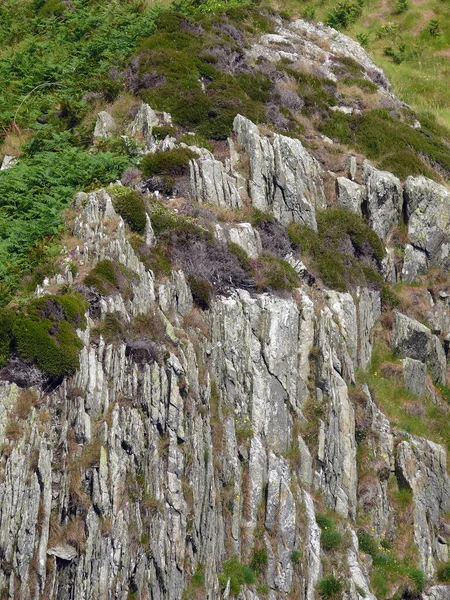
422 78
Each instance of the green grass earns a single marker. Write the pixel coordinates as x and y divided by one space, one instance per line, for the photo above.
388 569
386 386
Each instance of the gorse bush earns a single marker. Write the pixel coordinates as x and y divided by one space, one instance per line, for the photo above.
44 333
171 162
130 206
330 537
330 587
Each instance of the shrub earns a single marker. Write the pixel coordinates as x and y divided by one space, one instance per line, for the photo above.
171 162
201 292
274 273
259 218
330 539
296 555
324 521
108 277
259 560
241 255
345 13
443 573
401 6
345 250
238 575
130 206
7 318
417 576
44 333
330 587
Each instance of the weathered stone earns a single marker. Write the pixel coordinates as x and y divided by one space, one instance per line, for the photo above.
415 376
415 263
105 126
422 466
243 235
142 125
8 162
284 178
63 551
412 339
211 184
350 195
383 199
427 209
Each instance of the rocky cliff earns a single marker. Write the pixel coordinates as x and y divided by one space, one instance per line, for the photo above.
248 441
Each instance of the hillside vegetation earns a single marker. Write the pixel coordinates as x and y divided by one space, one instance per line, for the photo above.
60 63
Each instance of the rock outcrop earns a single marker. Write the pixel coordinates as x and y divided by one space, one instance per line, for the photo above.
427 210
283 177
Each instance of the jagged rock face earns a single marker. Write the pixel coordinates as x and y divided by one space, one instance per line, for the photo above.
383 200
211 184
283 177
428 225
224 431
422 466
412 339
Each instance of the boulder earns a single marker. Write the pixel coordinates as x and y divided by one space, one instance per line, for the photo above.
143 124
105 126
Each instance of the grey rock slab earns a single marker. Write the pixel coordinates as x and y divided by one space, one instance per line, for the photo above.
428 211
63 551
415 376
350 195
383 199
414 340
105 126
284 178
422 466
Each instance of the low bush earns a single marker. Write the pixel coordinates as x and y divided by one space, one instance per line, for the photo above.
201 291
344 14
44 333
109 277
330 538
130 206
237 574
443 573
345 251
241 255
330 587
259 560
274 273
169 163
